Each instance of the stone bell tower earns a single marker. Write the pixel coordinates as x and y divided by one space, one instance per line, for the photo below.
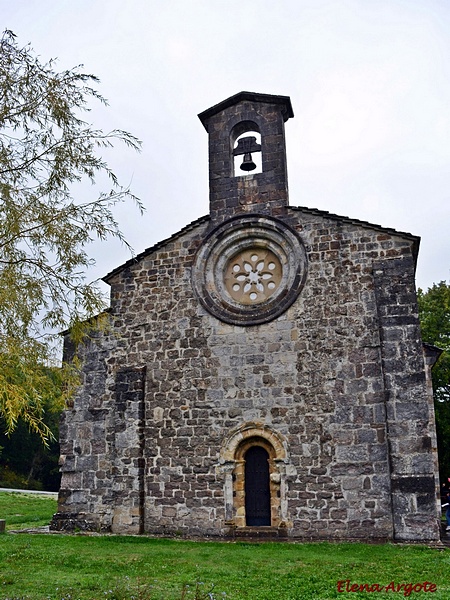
234 127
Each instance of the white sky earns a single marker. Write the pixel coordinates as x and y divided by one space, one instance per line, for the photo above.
369 82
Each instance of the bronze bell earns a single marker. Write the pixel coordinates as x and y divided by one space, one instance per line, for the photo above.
247 163
246 146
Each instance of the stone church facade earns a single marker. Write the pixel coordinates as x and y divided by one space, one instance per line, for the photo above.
263 372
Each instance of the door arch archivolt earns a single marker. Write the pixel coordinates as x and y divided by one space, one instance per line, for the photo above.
232 458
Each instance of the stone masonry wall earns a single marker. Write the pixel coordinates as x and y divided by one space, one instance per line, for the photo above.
409 421
338 377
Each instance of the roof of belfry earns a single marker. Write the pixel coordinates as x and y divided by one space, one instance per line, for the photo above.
250 97
311 211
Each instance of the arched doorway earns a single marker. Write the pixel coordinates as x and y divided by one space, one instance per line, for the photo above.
257 487
235 458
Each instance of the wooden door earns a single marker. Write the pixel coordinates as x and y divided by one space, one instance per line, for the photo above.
257 487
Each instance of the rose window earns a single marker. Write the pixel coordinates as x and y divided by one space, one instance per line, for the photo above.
249 270
253 275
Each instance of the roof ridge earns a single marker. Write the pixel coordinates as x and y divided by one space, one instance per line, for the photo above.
312 211
346 219
156 246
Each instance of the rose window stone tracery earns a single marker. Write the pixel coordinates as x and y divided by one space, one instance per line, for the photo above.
249 270
253 275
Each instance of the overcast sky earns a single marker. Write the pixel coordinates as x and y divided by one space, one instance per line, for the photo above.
369 82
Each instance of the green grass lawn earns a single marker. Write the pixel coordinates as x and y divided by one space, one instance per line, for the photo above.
122 568
24 511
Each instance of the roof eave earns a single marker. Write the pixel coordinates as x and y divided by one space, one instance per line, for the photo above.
155 247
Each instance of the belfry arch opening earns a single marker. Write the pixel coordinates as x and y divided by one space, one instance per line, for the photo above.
246 149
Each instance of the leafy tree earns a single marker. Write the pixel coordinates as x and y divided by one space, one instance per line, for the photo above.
434 313
25 462
45 149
